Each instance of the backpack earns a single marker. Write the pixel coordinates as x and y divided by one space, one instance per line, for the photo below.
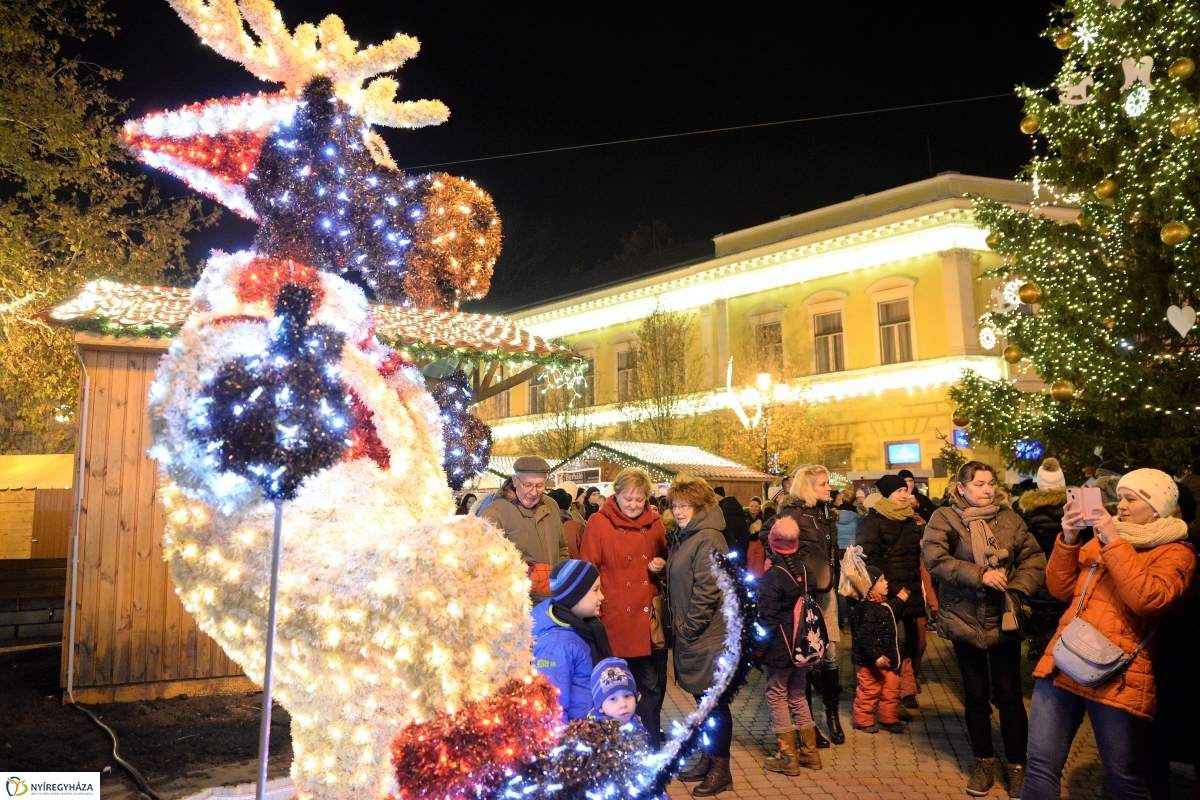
809 636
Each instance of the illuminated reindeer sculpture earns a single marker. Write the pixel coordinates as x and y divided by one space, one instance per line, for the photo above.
403 649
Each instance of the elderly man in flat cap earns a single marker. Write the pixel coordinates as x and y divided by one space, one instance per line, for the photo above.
531 521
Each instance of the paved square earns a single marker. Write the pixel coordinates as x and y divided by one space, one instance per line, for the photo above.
932 759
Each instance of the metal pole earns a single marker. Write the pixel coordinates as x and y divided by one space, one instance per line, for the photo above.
264 732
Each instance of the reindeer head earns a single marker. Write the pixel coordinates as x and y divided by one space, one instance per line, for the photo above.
307 164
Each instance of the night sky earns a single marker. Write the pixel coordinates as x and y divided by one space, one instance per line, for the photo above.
526 76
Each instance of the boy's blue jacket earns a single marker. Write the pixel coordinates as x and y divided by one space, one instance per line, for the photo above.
565 659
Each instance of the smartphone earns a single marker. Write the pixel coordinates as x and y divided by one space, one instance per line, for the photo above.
1093 501
1073 499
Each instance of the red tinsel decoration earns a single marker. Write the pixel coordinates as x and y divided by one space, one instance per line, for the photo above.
392 363
364 439
230 156
466 754
262 279
231 319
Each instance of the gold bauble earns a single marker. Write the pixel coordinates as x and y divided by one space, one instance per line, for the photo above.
1013 354
1029 293
1104 230
1082 221
1030 124
1181 68
1105 188
1062 391
959 419
1063 40
993 240
1174 233
1185 124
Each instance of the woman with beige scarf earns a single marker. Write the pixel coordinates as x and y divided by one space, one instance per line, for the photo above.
1122 582
983 557
891 541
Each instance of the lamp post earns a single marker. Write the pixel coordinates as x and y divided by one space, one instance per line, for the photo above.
762 397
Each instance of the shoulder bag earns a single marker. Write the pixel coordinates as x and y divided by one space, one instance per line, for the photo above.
1087 656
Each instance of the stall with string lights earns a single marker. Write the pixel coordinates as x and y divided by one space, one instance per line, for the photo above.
599 462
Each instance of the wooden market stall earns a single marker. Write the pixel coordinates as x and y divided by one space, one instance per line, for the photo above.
598 463
130 637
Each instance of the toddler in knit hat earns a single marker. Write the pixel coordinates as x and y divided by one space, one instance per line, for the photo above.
615 695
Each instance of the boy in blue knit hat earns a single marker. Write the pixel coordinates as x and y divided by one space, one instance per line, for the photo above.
567 636
614 695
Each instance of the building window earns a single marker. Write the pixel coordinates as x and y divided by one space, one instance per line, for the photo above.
537 394
627 364
828 343
502 403
768 340
837 457
587 393
895 332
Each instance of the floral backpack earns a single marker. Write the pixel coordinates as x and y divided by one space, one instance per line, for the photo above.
809 636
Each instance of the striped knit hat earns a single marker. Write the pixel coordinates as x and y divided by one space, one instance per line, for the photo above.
570 580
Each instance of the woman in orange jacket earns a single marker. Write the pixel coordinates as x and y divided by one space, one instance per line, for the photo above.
1139 567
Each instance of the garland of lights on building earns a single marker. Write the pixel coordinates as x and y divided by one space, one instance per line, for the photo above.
1113 293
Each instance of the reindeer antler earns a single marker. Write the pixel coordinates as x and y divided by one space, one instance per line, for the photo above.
294 58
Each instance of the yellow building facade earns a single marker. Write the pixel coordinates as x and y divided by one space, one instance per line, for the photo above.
870 306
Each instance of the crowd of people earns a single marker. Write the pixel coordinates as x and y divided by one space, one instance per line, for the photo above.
620 582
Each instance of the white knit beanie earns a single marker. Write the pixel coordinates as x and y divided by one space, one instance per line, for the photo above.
1155 487
1050 475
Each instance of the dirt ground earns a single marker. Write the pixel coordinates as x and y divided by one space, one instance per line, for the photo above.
180 745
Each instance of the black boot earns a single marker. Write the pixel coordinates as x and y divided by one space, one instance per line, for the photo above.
832 691
698 772
822 742
717 780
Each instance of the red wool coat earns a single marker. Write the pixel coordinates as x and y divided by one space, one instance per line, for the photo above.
622 550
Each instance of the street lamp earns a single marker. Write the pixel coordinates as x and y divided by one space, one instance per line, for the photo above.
762 396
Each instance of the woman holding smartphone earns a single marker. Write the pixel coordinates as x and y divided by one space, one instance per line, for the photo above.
1135 569
979 550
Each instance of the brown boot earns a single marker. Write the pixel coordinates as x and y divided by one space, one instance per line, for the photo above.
717 780
784 761
697 772
806 753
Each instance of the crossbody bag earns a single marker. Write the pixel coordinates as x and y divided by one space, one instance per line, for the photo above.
1087 656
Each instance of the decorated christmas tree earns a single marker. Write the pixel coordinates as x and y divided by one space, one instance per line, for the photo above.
1102 307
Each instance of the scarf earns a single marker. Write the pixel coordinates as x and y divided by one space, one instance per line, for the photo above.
591 629
893 511
1154 533
986 551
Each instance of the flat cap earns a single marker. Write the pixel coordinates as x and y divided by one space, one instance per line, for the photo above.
531 464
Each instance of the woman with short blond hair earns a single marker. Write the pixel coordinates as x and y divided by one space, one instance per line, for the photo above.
696 619
626 541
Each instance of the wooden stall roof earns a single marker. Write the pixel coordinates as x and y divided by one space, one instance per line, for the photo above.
663 461
129 306
37 472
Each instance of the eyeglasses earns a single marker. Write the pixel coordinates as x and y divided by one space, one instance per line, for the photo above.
680 506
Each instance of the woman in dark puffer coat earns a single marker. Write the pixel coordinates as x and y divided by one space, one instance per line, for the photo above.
1042 510
891 541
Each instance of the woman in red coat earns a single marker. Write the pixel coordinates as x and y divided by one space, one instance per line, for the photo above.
626 541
